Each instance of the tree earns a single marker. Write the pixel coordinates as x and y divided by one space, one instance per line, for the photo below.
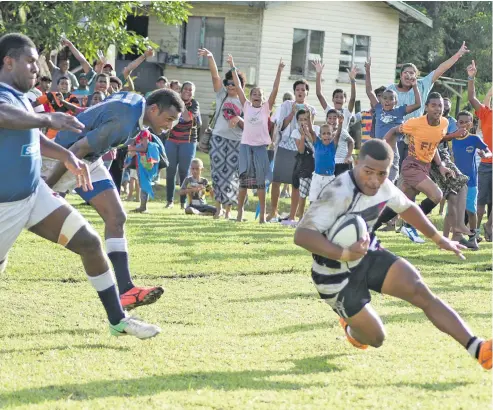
453 22
91 25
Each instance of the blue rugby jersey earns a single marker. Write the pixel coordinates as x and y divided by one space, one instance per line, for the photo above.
108 124
20 159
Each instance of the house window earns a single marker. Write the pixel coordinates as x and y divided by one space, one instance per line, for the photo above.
308 45
355 50
202 32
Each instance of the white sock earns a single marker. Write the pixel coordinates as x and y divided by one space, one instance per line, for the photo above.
116 245
103 281
474 346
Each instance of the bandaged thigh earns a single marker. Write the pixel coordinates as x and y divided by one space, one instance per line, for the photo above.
72 224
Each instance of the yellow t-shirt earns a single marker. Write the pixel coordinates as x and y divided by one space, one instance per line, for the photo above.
423 138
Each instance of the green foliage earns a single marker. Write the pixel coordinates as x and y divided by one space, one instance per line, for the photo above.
453 23
91 25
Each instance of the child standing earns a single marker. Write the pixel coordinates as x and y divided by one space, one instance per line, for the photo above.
254 166
464 150
339 96
325 150
388 114
345 145
305 136
195 187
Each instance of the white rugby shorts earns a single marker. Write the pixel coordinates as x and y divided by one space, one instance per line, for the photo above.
24 214
68 182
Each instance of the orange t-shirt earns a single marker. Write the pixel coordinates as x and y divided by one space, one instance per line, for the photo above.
59 107
484 114
423 137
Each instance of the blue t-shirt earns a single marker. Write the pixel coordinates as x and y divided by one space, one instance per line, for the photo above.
385 120
108 124
465 156
20 154
407 97
325 157
452 124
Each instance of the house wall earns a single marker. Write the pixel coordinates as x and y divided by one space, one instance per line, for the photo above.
373 19
241 39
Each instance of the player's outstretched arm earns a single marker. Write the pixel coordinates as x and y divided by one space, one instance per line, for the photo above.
414 216
16 119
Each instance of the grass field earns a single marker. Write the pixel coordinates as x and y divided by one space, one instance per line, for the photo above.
242 327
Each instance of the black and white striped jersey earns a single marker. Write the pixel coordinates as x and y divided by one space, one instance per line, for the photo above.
342 196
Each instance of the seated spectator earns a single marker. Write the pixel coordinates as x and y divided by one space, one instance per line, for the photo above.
195 187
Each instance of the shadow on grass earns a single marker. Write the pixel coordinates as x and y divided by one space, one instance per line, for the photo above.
295 295
290 329
445 386
148 386
42 350
420 317
72 332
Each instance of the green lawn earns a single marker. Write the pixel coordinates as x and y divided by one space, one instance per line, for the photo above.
242 327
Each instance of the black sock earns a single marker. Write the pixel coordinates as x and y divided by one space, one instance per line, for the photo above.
117 251
386 215
119 260
111 302
427 206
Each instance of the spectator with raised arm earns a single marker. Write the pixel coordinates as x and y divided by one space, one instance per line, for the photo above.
254 160
226 137
405 94
484 171
389 114
285 157
338 95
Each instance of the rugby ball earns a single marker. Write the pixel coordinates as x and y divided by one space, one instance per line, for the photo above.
347 230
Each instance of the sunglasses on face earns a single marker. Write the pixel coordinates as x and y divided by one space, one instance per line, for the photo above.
230 83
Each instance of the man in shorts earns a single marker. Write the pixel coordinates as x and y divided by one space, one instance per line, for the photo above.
365 191
484 171
107 125
26 202
425 133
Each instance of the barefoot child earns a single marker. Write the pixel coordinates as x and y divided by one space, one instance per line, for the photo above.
195 187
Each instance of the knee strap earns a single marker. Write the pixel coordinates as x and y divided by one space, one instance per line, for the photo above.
72 224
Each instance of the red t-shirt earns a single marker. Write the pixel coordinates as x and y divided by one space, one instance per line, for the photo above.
484 114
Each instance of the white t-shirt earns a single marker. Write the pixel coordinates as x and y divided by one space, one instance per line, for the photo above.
342 147
297 136
284 110
342 196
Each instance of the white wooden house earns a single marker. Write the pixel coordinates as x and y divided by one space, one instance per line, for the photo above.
258 34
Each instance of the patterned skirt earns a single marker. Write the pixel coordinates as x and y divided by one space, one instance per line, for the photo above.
447 185
225 157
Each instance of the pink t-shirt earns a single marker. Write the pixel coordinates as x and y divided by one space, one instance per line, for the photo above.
256 125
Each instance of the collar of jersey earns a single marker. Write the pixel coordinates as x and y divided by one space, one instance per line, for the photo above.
11 89
356 187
